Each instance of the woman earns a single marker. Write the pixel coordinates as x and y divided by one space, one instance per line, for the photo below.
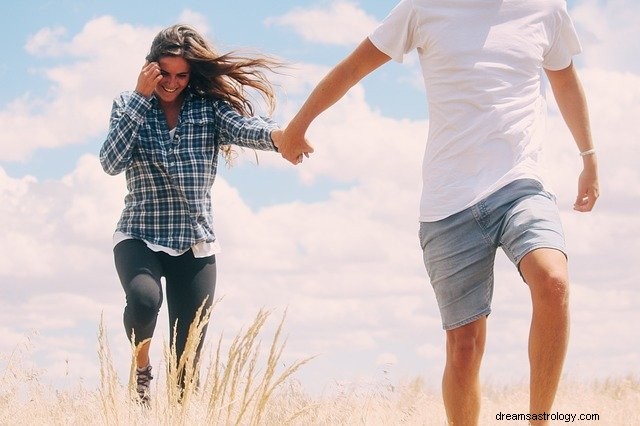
189 104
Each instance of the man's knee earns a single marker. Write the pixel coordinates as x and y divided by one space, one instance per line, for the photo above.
545 271
551 287
465 345
556 286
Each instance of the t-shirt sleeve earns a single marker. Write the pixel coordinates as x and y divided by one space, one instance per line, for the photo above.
565 43
396 35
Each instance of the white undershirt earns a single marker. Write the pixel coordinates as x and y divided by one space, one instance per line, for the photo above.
201 249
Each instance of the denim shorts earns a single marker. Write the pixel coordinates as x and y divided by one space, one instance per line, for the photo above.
459 251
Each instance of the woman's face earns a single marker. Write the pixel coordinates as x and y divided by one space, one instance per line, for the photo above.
175 78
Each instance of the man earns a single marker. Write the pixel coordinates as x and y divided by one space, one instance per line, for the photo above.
483 181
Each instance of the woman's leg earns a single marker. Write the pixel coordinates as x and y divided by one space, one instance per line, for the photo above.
140 271
190 281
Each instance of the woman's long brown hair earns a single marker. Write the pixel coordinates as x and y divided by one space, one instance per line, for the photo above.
223 77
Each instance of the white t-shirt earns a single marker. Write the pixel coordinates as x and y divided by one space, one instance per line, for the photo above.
482 62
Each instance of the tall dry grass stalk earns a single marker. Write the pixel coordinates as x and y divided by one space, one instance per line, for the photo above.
241 384
236 387
240 390
18 382
108 390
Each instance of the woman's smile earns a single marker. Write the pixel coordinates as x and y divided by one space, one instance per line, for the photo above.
175 72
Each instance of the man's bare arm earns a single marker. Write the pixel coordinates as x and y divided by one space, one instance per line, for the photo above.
571 100
362 61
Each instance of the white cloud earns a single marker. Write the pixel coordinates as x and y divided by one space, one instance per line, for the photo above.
387 359
46 42
54 227
194 19
608 30
430 351
342 23
101 60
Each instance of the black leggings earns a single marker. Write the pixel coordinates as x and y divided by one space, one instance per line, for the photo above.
189 281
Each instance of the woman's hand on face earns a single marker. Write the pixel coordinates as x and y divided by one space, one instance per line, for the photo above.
149 77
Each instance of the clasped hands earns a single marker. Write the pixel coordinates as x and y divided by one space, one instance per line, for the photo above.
291 145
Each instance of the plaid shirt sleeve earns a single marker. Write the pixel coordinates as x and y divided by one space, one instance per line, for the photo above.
127 115
248 132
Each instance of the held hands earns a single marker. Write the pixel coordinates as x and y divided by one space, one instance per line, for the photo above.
149 77
293 147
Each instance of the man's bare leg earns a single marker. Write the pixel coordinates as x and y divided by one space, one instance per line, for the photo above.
461 379
545 271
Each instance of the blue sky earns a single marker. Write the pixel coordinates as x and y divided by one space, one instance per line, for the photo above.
334 241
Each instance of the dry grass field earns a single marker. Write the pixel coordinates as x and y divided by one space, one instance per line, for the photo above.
246 385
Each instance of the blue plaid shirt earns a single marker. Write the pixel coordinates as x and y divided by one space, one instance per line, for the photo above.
169 180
